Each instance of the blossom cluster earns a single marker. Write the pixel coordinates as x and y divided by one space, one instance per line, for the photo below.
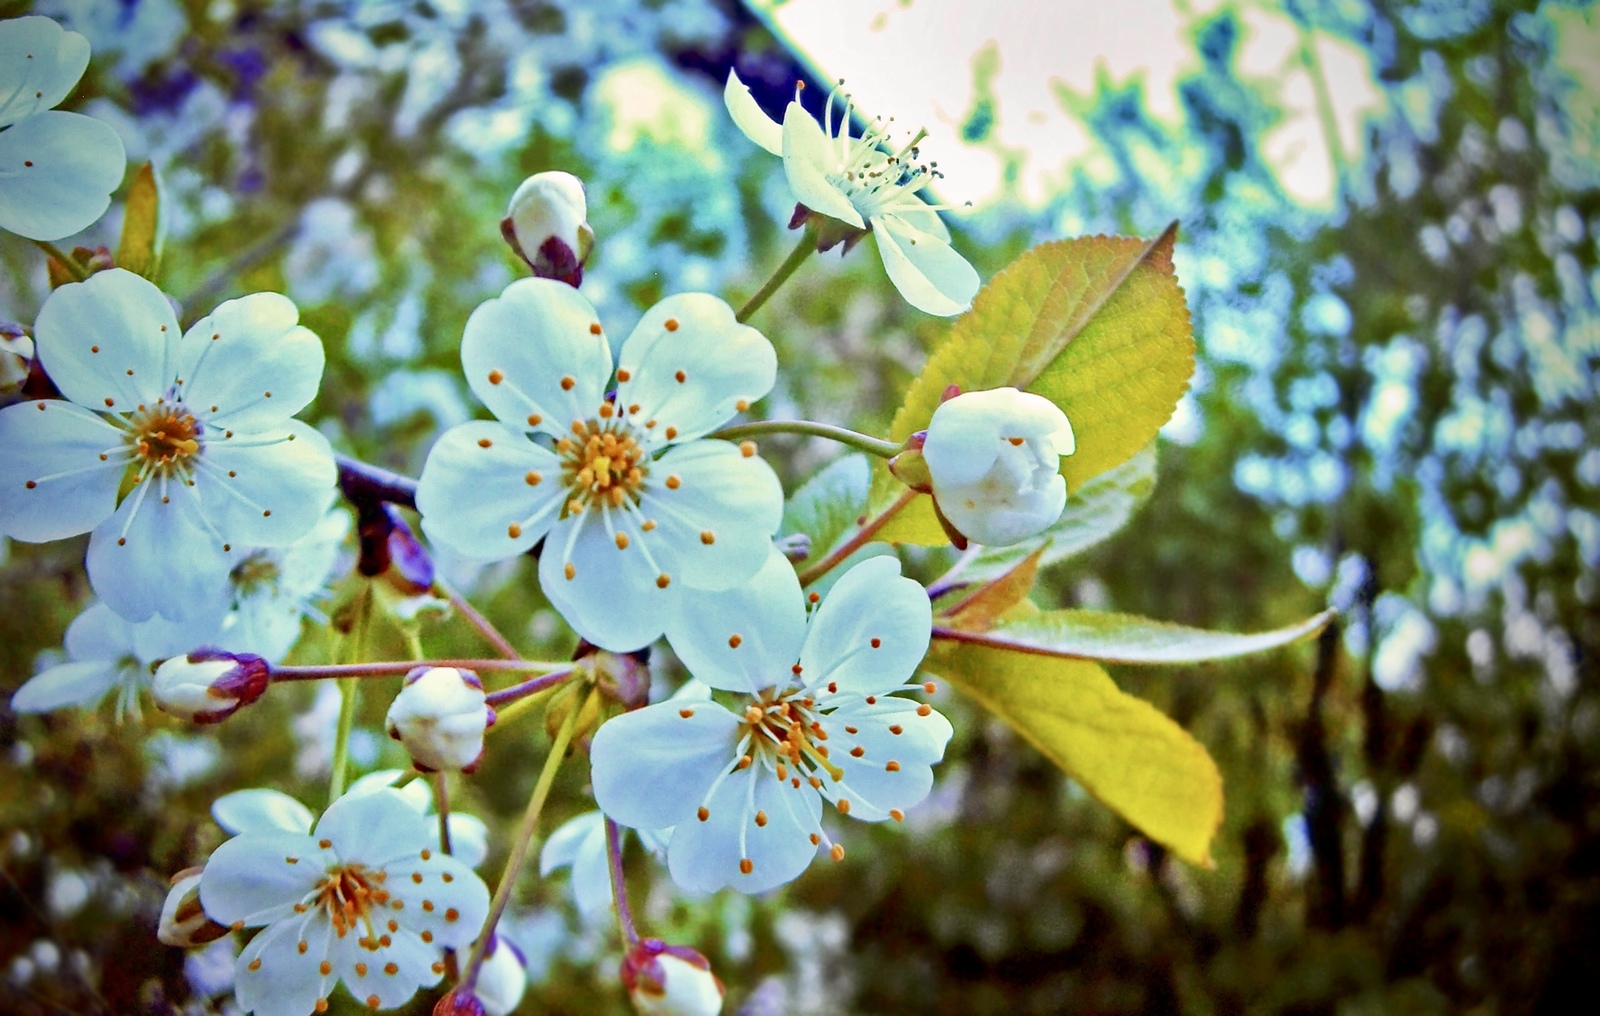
213 530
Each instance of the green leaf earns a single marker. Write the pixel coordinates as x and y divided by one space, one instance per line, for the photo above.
1097 325
993 600
1125 638
1094 513
1121 749
140 248
827 506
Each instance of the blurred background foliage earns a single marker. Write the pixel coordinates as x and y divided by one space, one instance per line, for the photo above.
1394 412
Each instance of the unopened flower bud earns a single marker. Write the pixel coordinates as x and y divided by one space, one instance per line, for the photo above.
209 685
184 923
440 716
670 980
16 356
503 977
994 462
622 677
546 224
460 1002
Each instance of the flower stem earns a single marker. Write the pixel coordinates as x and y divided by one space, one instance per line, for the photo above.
76 270
861 442
485 627
389 668
862 537
347 698
619 884
341 742
441 793
807 244
532 686
519 846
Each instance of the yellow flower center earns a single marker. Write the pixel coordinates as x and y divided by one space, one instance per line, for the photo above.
349 893
164 438
602 463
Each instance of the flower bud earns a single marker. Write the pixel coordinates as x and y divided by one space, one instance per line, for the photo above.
16 356
183 923
670 980
460 1002
209 685
994 460
546 225
440 716
502 978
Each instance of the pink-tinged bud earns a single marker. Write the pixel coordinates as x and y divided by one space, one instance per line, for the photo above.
209 685
459 1002
622 677
670 980
184 923
440 716
546 224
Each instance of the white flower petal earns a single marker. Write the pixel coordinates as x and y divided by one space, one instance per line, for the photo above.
541 339
167 562
693 376
735 498
921 739
471 494
469 839
56 446
612 598
386 977
108 338
706 855
591 873
749 118
912 209
807 159
250 360
99 634
651 767
871 631
250 878
273 977
266 488
261 810
744 638
374 828
894 771
57 172
449 901
68 684
40 62
563 846
925 269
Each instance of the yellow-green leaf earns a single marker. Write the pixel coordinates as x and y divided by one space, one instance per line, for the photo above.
140 248
993 599
1098 325
1126 638
1121 749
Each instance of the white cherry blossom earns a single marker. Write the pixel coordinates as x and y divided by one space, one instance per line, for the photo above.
580 844
177 450
817 721
57 169
365 899
858 182
106 655
632 505
995 461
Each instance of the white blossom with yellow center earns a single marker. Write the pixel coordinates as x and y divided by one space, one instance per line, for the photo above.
864 183
176 449
633 505
818 721
365 898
